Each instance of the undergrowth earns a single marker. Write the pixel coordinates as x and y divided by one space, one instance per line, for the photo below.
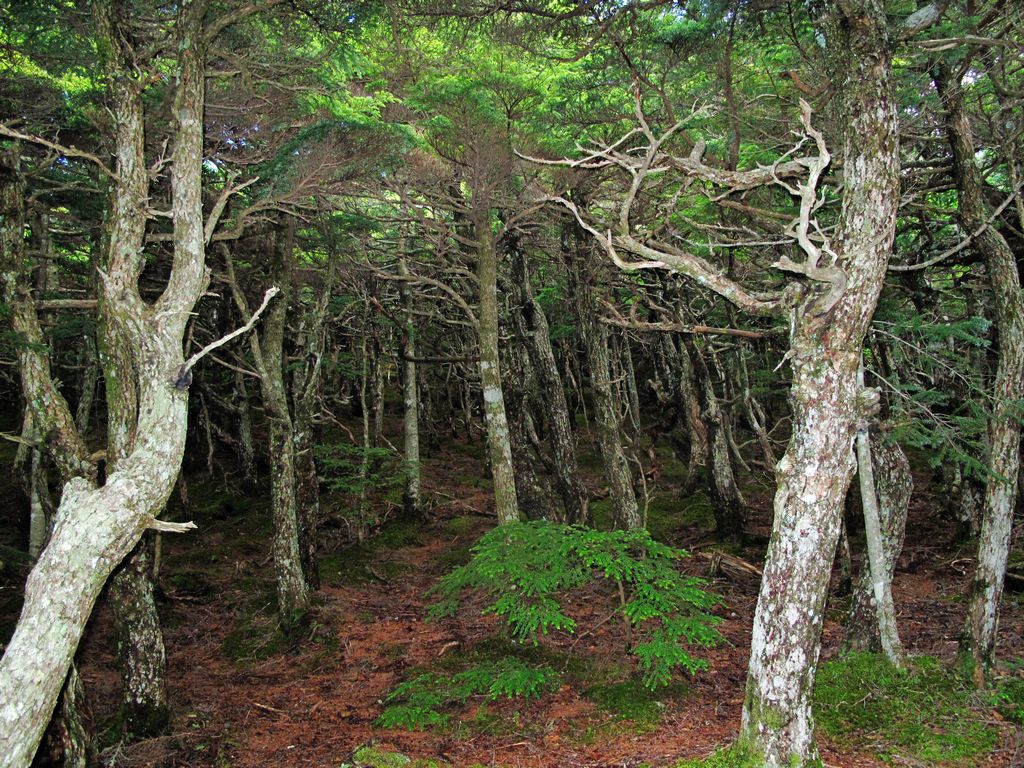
419 702
527 568
925 713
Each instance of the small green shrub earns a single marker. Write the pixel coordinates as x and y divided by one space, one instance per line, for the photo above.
1008 699
417 703
527 567
923 713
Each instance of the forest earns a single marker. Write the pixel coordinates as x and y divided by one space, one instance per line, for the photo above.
512 383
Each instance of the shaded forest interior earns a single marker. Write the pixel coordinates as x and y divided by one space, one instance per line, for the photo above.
556 384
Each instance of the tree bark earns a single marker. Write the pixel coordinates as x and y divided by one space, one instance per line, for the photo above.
410 404
727 503
95 528
594 336
814 474
574 494
268 353
978 643
145 709
498 440
894 485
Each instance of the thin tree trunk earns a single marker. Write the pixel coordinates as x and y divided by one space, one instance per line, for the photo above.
574 494
268 349
145 709
498 440
87 386
410 405
727 502
69 739
978 643
689 403
594 336
894 485
246 444
879 573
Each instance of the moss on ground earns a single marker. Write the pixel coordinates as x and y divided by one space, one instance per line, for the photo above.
630 700
371 757
927 713
668 514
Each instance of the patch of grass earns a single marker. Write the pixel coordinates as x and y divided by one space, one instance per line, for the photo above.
472 480
601 514
590 460
924 713
421 701
735 756
188 583
254 639
588 734
631 700
256 635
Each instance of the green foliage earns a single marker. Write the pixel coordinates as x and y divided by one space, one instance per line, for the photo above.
525 568
938 400
352 471
921 714
1008 696
417 703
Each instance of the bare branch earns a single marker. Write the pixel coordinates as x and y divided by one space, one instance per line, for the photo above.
66 151
182 377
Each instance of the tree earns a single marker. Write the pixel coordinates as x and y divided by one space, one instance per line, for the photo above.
97 526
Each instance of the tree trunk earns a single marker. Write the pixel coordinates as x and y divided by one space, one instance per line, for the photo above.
894 486
977 646
306 384
498 440
145 711
727 502
268 349
594 336
246 444
814 474
410 405
69 739
574 494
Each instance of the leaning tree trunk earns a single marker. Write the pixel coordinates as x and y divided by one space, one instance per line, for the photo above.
894 485
814 474
95 528
979 638
499 444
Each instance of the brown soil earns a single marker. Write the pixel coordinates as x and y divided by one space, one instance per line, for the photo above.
315 703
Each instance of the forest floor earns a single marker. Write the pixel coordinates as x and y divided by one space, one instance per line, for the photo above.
245 697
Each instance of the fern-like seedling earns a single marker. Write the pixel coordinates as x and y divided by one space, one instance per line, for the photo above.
526 569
